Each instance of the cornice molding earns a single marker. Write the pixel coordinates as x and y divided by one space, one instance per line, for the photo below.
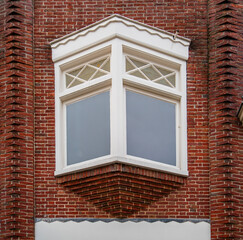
117 26
128 22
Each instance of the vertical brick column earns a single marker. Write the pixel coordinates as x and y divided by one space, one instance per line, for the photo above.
225 90
17 120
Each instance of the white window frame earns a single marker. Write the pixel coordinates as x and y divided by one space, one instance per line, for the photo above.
117 82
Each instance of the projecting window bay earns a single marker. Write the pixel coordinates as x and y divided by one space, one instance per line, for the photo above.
121 101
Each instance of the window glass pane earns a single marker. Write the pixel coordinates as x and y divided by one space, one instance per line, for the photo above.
86 73
163 82
151 132
75 72
171 79
69 79
164 72
106 66
88 128
75 83
138 63
102 64
98 63
98 74
129 66
151 73
138 74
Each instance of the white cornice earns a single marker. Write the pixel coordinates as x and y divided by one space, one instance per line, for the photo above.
128 22
117 26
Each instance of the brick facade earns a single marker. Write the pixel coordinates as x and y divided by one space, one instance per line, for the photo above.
17 120
225 132
28 187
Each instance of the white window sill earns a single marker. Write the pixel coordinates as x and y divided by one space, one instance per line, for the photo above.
130 160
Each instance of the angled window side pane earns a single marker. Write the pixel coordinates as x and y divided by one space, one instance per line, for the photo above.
88 128
151 132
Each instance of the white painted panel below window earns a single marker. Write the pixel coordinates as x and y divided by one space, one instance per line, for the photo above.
122 231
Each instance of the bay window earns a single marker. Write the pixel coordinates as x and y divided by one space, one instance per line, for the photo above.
120 98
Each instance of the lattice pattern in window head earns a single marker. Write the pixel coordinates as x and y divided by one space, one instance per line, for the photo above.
150 71
87 72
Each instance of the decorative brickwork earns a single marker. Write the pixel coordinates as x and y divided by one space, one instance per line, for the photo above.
17 121
121 189
225 90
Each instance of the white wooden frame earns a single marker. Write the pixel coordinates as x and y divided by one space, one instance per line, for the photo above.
116 82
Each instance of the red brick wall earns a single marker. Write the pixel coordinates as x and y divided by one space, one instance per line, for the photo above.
225 130
16 120
55 19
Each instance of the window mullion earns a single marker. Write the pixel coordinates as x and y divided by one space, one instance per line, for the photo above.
117 103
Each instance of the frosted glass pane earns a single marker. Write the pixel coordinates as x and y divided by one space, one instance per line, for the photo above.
98 63
164 71
151 73
86 73
151 130
75 72
138 74
68 80
163 82
171 79
138 63
106 66
75 83
129 66
98 74
88 128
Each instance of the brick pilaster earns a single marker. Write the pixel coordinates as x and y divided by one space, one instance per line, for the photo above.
17 120
225 90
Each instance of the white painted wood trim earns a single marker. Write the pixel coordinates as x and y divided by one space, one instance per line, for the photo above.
128 230
116 104
117 81
123 28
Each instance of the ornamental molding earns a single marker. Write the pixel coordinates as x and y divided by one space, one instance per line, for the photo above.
117 26
123 220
